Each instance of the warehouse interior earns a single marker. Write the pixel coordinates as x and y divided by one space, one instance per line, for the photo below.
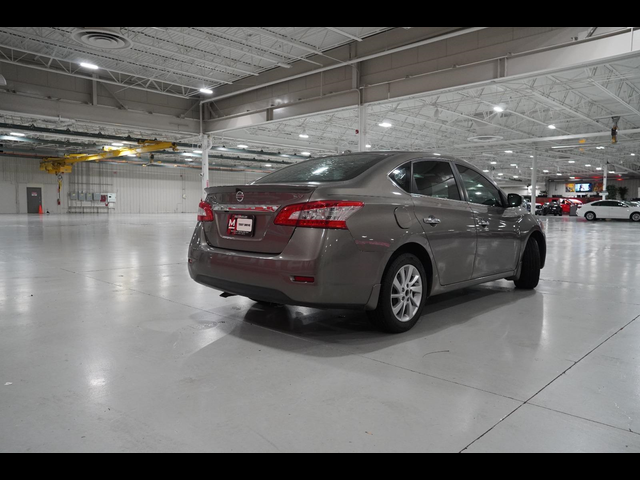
108 138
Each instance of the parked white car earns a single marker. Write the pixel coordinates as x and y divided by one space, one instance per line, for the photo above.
612 209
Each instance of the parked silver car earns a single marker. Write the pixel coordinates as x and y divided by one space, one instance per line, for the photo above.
380 232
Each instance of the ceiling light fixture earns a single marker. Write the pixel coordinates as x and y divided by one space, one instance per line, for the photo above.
498 109
89 66
386 124
494 163
601 148
306 154
368 146
117 144
552 127
206 91
509 151
268 165
17 134
197 151
243 147
304 135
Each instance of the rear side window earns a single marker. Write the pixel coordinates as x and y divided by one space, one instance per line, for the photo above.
401 176
325 170
481 191
435 179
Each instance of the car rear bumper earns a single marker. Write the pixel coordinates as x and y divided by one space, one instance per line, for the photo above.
345 277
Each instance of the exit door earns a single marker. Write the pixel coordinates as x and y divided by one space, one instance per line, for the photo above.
34 200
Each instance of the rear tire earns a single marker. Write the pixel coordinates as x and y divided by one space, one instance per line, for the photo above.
635 217
403 296
266 304
531 267
591 217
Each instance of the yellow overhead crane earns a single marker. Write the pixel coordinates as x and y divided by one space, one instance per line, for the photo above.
59 165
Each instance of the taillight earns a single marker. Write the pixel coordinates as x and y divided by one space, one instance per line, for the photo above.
330 215
205 213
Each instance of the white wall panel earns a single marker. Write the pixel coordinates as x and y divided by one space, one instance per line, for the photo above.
139 190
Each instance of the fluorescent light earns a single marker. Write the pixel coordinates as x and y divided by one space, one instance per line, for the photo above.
486 171
197 151
552 127
367 146
559 174
498 109
545 171
268 165
285 156
515 176
17 134
508 151
514 165
306 154
304 135
633 154
386 124
437 154
243 146
572 162
117 144
189 154
222 149
587 166
89 66
206 91
599 169
494 163
501 174
601 148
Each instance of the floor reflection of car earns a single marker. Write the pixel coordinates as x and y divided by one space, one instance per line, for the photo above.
539 208
378 232
552 208
612 210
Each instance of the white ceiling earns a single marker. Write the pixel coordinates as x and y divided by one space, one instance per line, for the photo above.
181 60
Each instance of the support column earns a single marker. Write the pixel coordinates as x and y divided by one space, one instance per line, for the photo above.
206 146
534 182
363 113
605 192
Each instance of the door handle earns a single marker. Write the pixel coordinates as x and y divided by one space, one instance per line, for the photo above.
433 221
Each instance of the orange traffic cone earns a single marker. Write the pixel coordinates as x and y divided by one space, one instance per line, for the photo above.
40 211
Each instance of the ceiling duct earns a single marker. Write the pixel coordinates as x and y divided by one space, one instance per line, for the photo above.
103 38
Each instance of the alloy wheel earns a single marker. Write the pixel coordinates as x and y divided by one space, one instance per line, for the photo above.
406 294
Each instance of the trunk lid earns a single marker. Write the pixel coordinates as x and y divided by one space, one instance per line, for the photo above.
252 207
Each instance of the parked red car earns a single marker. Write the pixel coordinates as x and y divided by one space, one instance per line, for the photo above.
566 205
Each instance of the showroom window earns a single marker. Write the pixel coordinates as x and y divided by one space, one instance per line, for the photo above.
436 179
481 190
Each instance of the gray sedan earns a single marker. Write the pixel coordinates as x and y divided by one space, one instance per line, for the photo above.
380 232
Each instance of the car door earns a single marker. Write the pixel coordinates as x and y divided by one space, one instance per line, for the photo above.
447 220
498 235
608 209
621 211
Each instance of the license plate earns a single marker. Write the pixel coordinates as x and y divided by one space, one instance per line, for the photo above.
241 226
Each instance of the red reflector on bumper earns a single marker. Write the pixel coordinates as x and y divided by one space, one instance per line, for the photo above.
304 279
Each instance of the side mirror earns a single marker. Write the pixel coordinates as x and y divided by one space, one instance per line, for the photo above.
515 200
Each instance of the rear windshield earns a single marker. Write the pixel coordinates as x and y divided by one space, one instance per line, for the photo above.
325 170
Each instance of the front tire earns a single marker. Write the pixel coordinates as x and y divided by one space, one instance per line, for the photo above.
591 217
635 217
531 267
403 296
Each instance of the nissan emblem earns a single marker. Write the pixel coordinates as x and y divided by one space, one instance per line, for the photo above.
240 196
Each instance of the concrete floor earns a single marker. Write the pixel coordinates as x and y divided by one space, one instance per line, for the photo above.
106 345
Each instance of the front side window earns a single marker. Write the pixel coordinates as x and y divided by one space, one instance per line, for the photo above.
435 179
401 176
481 190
